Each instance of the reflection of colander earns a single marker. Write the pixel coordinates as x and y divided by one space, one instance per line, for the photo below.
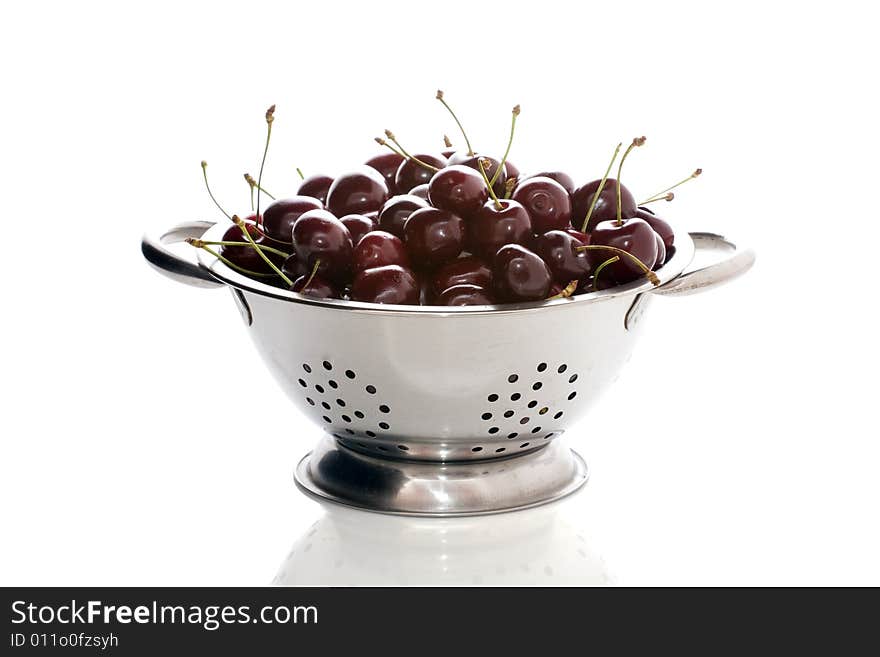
443 410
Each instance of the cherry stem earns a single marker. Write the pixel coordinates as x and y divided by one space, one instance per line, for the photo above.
509 186
638 141
662 194
666 197
651 276
251 183
270 249
599 269
270 117
514 114
301 176
403 152
480 163
254 184
460 127
446 142
208 187
312 275
600 188
382 142
566 292
201 245
238 222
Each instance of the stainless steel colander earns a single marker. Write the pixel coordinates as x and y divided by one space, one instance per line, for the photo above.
443 411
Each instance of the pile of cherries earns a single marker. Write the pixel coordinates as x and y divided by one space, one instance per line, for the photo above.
448 229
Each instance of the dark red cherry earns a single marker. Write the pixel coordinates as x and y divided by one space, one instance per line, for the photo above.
634 236
433 237
466 295
589 284
660 226
378 249
235 234
559 250
547 203
420 190
357 192
561 177
396 211
606 206
472 161
389 284
279 216
410 174
511 169
247 257
490 228
387 164
661 252
449 152
317 234
520 274
468 270
358 225
459 189
317 287
315 186
583 238
293 268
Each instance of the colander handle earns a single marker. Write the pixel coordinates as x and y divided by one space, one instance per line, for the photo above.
692 281
172 265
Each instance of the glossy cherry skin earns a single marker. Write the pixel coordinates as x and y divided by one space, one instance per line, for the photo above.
589 284
547 203
378 249
560 251
634 236
397 210
459 189
561 177
490 228
315 186
660 226
472 161
357 192
466 295
410 174
661 252
358 225
389 284
606 206
279 216
387 164
318 235
420 190
583 238
433 237
520 275
469 270
512 170
317 287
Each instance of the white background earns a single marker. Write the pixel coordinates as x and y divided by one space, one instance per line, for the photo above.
144 443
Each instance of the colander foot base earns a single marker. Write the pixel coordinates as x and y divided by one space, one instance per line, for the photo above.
335 473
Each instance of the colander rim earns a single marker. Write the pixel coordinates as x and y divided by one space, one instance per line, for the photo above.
681 258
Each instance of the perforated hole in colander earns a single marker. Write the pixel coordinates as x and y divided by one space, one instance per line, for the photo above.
540 406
